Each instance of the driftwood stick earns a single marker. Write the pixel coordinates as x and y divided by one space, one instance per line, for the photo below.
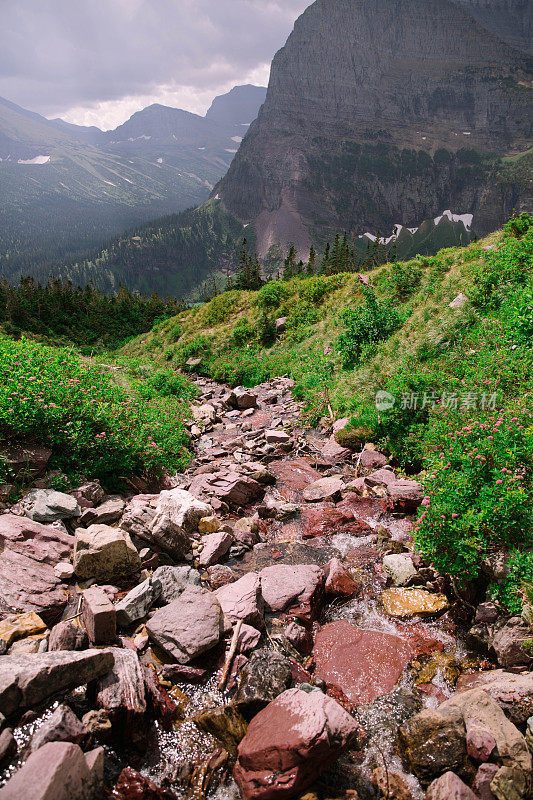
231 655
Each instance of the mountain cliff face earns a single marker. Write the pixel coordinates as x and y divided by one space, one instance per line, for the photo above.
385 111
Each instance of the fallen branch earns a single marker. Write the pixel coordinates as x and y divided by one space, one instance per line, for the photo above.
231 655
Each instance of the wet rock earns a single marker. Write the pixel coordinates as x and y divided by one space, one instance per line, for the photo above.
512 692
47 505
121 691
99 616
30 552
288 586
289 743
8 746
486 613
26 680
510 644
97 724
189 626
225 723
131 785
183 672
243 600
330 521
21 625
174 581
104 553
266 675
67 636
137 603
299 637
105 514
215 547
324 489
220 575
449 787
62 726
392 784
483 780
355 667
339 580
433 742
399 567
58 771
406 603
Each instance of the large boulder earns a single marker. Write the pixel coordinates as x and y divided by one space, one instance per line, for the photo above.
368 665
47 505
28 679
58 771
511 644
289 743
177 515
189 626
266 675
139 514
292 586
104 553
512 692
30 551
243 600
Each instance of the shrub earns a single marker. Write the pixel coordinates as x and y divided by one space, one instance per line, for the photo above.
272 294
242 333
519 224
315 289
404 278
93 426
219 309
366 325
518 583
479 495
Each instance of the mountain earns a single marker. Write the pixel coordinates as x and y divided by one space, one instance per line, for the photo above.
65 189
404 114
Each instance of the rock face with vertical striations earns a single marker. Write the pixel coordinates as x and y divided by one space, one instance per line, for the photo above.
383 111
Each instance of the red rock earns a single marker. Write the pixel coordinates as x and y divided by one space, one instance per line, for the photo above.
335 453
99 616
372 459
449 787
339 580
131 785
405 496
329 521
480 743
216 545
289 743
292 586
483 780
183 672
243 600
324 489
294 474
26 459
30 552
364 664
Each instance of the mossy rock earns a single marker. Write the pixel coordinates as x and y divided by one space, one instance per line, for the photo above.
354 436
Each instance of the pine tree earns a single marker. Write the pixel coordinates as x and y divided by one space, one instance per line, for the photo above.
311 266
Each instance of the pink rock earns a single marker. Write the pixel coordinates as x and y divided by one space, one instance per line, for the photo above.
324 489
287 586
248 639
289 743
220 575
99 616
483 780
405 496
513 692
58 771
449 787
480 743
355 667
30 552
243 600
216 545
336 453
381 477
328 521
372 459
340 424
339 580
295 474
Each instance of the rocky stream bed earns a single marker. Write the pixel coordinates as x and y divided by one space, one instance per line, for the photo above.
260 627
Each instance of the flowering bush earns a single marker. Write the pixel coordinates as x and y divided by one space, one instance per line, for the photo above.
478 494
93 426
365 326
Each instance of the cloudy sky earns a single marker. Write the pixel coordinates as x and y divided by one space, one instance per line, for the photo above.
96 62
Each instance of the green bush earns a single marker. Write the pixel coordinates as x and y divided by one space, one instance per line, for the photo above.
94 426
518 583
219 309
272 295
478 494
313 290
366 325
242 333
519 224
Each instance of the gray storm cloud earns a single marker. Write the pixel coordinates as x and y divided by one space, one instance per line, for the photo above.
60 55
